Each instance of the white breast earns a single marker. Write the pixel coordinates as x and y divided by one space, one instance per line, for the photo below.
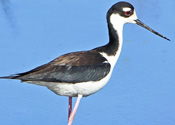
70 89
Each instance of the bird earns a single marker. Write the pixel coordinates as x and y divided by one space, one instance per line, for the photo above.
83 73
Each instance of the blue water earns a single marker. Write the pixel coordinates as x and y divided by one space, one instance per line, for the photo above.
141 89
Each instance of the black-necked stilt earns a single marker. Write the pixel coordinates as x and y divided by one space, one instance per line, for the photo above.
80 74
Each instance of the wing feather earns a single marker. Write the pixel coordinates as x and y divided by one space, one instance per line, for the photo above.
70 68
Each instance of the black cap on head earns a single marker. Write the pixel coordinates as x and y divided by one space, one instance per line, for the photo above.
118 8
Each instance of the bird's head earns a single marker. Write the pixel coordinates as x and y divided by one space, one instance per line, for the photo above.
122 13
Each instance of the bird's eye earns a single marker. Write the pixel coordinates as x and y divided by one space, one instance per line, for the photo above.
128 13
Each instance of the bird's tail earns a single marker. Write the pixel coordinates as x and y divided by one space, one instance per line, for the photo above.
10 77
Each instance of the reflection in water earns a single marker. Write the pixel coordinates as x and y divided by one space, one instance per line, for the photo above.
6 6
7 10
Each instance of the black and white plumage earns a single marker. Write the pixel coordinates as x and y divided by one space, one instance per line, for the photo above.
83 73
73 70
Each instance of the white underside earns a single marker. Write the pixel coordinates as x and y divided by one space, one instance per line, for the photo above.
69 89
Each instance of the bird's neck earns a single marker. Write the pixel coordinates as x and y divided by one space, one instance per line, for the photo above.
112 50
114 45
115 29
115 38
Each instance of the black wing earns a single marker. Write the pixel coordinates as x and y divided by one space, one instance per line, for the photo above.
67 74
74 70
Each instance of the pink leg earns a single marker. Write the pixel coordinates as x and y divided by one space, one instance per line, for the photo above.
74 110
70 107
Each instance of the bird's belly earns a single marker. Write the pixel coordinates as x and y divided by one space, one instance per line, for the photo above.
73 89
83 88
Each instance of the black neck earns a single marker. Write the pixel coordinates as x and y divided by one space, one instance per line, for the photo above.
113 45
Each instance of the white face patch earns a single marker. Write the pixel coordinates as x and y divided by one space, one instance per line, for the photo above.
132 18
126 9
118 21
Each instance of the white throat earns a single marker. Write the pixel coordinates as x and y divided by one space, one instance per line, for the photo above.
118 27
117 24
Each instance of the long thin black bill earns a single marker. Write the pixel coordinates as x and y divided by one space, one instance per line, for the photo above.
140 23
